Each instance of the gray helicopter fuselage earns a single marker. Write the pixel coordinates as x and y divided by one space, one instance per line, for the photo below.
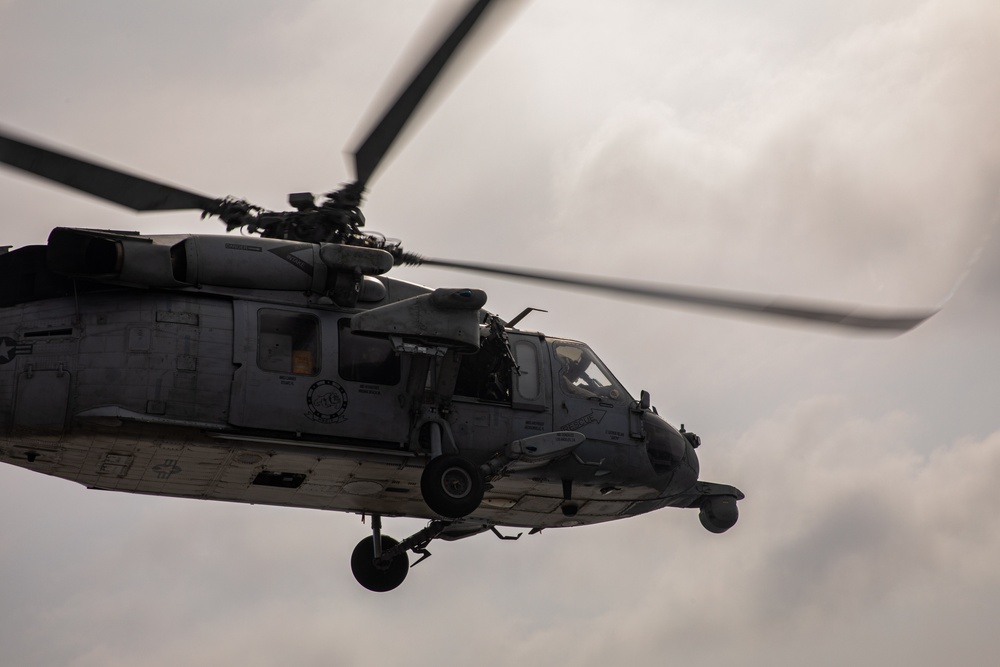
276 397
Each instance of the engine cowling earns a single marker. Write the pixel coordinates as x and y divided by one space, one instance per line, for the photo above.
223 261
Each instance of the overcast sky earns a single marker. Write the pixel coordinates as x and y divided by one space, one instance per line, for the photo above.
842 149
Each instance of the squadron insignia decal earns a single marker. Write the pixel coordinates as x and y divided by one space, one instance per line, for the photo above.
327 402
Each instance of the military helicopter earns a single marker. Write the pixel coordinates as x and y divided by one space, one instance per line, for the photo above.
284 366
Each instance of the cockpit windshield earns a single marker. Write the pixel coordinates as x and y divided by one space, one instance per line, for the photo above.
582 374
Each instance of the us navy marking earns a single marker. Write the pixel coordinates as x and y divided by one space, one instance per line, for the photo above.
166 469
10 348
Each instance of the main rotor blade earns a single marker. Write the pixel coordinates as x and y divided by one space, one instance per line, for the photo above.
853 317
134 192
373 148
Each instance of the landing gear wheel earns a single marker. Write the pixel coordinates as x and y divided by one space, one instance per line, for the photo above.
452 486
378 577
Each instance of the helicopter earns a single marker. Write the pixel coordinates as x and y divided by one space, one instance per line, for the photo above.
284 366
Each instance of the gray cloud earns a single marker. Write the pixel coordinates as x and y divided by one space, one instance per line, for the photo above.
839 149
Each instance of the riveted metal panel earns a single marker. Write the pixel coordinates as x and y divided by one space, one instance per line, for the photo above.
42 400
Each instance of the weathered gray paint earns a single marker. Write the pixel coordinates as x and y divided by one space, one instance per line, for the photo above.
160 391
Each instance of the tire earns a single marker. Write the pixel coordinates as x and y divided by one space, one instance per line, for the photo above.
452 486
375 577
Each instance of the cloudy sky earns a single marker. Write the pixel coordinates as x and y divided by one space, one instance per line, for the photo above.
842 149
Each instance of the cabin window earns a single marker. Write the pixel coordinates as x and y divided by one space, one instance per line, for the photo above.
366 358
528 380
287 342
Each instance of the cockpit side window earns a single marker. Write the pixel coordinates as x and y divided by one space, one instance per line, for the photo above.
582 374
529 385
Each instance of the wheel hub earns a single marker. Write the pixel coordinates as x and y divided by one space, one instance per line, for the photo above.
456 483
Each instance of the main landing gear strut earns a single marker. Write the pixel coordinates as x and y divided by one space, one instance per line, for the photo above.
452 486
380 563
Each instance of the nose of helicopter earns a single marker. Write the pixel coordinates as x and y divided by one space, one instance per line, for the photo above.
671 454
